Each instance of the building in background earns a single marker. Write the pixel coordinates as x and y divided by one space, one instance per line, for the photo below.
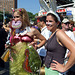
7 5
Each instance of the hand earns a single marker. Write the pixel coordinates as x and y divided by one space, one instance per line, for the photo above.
57 66
11 59
34 44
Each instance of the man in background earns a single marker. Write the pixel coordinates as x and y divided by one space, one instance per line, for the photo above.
3 39
46 33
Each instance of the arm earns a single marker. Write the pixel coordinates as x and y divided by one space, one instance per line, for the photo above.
6 28
74 33
39 36
69 44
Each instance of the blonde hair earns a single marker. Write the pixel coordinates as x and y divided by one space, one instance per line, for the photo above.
25 18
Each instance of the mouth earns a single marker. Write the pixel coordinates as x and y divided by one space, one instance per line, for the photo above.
16 25
49 25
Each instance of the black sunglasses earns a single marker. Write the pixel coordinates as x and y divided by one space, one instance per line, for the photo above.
16 16
67 23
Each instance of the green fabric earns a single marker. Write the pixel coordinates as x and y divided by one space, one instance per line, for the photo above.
18 58
34 59
49 71
18 55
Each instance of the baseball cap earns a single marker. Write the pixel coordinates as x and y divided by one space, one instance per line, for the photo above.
65 20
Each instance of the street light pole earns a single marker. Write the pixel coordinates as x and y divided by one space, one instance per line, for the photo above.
3 15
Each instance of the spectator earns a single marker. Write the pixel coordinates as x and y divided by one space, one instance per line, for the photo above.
35 26
3 39
56 47
46 33
71 25
65 27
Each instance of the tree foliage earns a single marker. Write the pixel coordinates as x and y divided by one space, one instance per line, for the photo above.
32 16
8 16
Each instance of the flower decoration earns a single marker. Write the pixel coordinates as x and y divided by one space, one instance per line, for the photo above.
20 10
13 10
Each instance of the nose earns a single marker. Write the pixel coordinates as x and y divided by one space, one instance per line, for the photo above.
15 19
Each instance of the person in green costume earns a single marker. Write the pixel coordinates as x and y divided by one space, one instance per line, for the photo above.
24 60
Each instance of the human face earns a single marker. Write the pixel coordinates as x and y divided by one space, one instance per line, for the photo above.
66 25
16 17
41 24
50 23
70 26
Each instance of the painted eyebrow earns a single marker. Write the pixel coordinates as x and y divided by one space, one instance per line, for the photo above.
49 21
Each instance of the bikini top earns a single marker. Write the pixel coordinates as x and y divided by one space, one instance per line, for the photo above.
22 36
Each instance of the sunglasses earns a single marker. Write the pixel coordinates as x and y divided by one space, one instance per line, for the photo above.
16 16
66 23
72 24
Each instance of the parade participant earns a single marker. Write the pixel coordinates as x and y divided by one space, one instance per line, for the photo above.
21 35
56 47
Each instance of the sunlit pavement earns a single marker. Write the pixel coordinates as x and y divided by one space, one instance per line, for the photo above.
5 71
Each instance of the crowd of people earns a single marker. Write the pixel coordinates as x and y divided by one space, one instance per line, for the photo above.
52 38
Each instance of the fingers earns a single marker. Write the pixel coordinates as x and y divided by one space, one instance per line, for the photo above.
53 65
55 61
57 66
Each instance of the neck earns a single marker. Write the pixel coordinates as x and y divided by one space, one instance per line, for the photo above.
43 25
64 29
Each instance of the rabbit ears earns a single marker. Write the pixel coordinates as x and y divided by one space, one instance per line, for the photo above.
51 11
48 5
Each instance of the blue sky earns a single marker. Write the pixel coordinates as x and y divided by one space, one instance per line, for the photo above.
30 5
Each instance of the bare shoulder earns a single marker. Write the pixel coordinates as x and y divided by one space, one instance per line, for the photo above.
65 39
34 31
60 33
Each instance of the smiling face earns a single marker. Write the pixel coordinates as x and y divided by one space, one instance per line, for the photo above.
51 23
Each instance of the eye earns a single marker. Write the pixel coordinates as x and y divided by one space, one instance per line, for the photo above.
50 21
46 20
16 16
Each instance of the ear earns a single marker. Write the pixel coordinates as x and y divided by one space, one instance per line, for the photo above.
58 23
43 22
61 24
